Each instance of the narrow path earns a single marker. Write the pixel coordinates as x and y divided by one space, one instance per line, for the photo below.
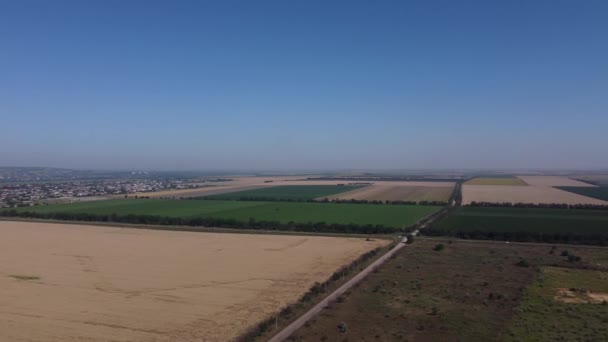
298 323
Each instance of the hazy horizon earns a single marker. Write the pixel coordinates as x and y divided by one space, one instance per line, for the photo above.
277 85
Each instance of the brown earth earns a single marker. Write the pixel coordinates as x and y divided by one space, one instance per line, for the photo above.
65 282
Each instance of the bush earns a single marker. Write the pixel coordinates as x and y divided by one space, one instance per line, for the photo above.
523 263
439 247
573 258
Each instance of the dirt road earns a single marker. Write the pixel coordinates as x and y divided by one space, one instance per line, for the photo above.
290 329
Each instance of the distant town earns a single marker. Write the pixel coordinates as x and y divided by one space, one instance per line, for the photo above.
21 187
27 194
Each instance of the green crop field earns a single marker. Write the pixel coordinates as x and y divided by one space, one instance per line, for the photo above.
302 212
287 192
469 219
496 181
599 192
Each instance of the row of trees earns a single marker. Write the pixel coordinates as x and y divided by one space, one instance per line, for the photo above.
314 292
325 200
312 227
598 239
540 205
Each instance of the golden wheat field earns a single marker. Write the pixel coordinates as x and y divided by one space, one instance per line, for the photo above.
64 282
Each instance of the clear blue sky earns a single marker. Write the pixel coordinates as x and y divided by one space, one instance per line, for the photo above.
304 84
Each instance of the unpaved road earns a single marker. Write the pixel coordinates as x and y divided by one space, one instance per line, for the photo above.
298 323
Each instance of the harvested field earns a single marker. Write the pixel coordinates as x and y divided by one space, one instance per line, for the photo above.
468 291
63 282
522 194
398 193
552 181
495 181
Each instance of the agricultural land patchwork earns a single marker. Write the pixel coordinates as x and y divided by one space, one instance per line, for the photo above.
287 192
496 181
414 193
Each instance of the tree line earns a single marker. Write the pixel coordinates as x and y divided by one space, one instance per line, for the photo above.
597 239
251 224
539 205
325 200
314 292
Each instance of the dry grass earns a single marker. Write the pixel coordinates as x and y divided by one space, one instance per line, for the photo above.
143 285
399 193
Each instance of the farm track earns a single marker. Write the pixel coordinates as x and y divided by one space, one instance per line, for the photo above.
298 323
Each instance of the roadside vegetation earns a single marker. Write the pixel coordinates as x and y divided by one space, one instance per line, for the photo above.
467 291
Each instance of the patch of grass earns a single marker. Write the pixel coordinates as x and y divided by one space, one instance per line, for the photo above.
287 192
496 181
468 292
599 192
24 277
546 315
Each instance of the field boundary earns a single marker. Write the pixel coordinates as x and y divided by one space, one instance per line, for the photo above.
195 229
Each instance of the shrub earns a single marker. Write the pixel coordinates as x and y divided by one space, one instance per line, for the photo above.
439 247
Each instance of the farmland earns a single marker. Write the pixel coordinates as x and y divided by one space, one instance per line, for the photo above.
467 291
413 193
242 211
595 192
287 192
74 282
523 194
496 181
552 181
525 223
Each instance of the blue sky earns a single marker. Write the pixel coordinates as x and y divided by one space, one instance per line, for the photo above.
304 84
